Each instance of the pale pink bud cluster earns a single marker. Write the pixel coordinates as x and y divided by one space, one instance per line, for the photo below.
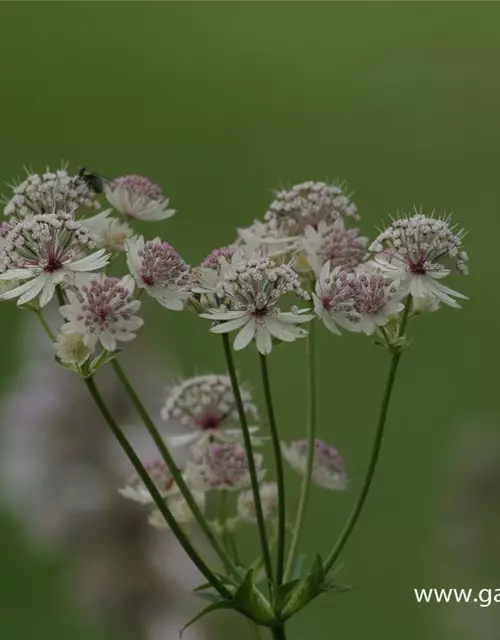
222 466
49 192
103 311
161 476
420 251
328 468
214 258
307 204
137 197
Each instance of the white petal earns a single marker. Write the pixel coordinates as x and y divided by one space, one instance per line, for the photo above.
231 325
245 336
263 340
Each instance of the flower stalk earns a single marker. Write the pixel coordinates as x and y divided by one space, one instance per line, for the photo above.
172 466
280 477
311 433
261 524
153 490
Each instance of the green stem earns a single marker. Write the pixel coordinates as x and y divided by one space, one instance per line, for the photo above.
153 490
279 632
176 474
45 324
251 462
280 478
358 507
311 432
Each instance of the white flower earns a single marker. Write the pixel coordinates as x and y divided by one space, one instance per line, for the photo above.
268 492
103 311
250 293
179 508
71 348
160 270
333 243
108 232
138 197
419 251
376 298
158 471
334 299
328 467
206 407
46 250
49 192
307 204
268 239
222 466
425 304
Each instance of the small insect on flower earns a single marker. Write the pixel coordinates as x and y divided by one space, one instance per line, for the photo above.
249 294
94 180
206 406
222 466
46 250
158 471
308 204
245 505
334 299
158 268
108 232
419 251
138 197
328 467
102 311
49 192
335 244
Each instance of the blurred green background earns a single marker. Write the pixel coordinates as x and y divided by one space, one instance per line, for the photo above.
220 103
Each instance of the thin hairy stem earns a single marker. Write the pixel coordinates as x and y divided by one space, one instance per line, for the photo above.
379 434
172 466
45 324
251 462
311 433
280 478
153 490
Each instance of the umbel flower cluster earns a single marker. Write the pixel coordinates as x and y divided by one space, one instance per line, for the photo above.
305 262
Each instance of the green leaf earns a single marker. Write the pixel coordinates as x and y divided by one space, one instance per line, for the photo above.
281 595
252 603
306 590
215 606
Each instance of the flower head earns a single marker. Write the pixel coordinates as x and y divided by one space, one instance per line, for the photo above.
179 508
334 299
102 311
216 257
249 295
159 269
137 197
222 466
206 407
46 250
245 505
71 348
158 471
335 244
420 250
108 232
50 192
376 298
307 204
328 467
